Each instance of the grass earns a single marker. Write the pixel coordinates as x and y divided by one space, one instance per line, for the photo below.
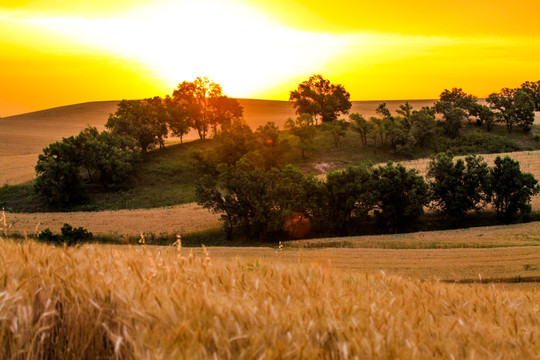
167 176
130 303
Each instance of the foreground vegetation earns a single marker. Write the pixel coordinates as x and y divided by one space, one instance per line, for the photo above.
144 302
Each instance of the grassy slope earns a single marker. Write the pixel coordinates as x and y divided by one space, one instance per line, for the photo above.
23 137
165 177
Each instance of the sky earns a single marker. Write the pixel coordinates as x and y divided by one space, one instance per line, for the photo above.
55 52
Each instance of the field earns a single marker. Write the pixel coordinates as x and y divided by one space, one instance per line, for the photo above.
145 302
23 137
467 293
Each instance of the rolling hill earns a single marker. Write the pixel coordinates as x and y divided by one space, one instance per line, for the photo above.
23 137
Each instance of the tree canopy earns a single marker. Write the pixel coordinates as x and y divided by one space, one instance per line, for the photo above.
513 107
320 98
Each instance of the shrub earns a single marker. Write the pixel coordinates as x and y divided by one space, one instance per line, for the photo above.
512 189
458 187
69 236
400 196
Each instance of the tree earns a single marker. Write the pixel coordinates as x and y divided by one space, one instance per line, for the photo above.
400 196
453 117
232 143
105 158
457 98
320 98
405 110
302 128
139 120
532 88
161 116
484 115
253 202
179 120
512 189
347 198
513 106
383 111
337 128
197 98
223 110
458 187
524 110
57 173
272 147
423 126
361 126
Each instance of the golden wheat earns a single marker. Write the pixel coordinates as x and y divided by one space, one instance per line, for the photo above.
151 303
171 220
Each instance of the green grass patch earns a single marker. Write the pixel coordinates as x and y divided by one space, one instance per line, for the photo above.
168 176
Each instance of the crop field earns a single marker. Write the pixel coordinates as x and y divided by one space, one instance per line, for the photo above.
169 220
128 302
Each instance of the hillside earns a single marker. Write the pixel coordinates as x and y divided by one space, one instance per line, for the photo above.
23 137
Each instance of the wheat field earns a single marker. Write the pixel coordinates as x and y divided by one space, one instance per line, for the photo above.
112 302
179 219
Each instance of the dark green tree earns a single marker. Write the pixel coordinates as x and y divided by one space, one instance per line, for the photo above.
139 120
337 128
106 157
405 110
457 98
361 126
484 116
400 196
58 178
423 126
383 111
453 117
513 107
272 148
458 187
303 128
232 143
91 156
512 189
346 199
532 88
255 203
320 98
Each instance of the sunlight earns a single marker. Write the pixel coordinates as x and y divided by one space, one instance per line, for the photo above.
233 44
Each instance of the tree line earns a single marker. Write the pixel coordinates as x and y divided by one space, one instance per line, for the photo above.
109 158
317 99
261 203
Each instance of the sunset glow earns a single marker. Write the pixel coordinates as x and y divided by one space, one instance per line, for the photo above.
54 52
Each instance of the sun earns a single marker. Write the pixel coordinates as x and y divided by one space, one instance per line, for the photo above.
230 42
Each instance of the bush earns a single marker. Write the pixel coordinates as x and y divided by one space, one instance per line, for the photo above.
90 156
458 187
400 196
512 189
69 236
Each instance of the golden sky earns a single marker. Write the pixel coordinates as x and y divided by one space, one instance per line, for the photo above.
55 52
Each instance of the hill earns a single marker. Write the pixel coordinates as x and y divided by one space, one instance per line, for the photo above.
23 137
